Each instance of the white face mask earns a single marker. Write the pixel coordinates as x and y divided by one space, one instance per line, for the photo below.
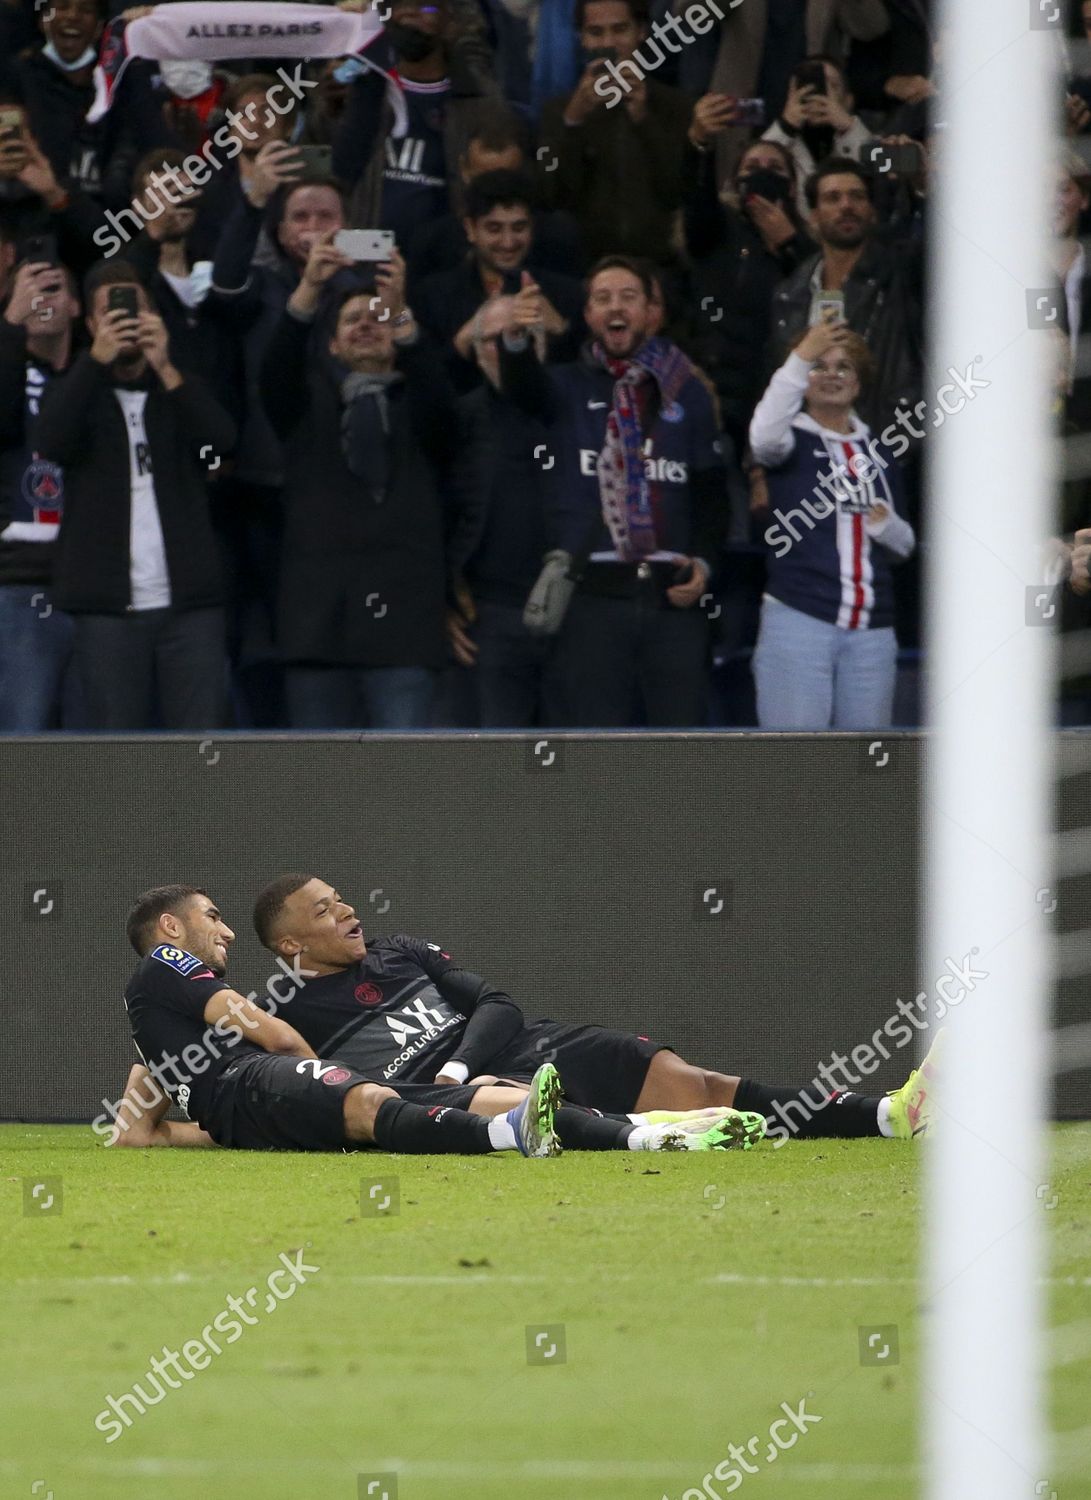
84 60
187 79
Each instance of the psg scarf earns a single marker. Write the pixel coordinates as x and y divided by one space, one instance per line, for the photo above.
220 29
628 499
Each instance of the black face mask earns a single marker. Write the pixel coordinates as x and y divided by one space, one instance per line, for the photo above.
408 43
764 183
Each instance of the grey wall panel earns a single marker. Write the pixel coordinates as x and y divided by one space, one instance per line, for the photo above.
577 885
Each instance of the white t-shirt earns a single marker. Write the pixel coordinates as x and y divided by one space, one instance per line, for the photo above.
149 580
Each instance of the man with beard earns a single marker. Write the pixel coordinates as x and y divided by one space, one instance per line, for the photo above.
878 281
639 501
135 555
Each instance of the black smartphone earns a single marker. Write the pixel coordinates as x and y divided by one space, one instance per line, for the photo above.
599 55
123 299
511 282
317 160
750 112
762 182
811 75
41 248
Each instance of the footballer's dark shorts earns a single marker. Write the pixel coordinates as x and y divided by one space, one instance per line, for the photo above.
271 1103
600 1069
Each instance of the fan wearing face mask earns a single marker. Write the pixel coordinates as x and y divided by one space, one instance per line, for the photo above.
740 249
53 82
402 183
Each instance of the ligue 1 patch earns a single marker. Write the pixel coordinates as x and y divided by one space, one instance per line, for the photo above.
336 1075
182 962
368 994
674 412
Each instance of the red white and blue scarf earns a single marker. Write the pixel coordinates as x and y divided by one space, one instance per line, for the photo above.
628 496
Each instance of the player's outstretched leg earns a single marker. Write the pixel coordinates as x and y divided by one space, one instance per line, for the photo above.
806 1112
911 1109
583 1129
376 1115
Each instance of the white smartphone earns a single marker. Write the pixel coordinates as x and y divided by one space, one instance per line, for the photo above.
365 244
827 307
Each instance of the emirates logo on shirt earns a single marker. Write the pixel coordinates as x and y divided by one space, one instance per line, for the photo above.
368 994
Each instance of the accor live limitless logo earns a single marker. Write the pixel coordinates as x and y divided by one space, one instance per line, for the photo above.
433 1020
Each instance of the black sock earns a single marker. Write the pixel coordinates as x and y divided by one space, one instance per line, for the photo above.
809 1112
586 1130
417 1131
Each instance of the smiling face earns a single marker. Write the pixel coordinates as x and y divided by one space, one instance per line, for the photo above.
364 338
72 26
321 928
834 383
618 313
501 238
200 930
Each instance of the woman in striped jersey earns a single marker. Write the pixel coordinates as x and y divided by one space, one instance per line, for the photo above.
826 652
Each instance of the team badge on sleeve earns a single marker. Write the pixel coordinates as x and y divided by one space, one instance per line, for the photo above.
435 947
182 962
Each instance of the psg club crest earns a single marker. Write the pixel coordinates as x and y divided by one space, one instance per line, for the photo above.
336 1075
368 994
43 487
674 412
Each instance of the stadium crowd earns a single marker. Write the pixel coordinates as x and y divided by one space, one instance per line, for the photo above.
610 414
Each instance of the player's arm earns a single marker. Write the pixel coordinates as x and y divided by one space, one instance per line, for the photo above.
141 1124
493 1018
231 1014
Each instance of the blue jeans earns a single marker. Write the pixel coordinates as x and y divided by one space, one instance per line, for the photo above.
356 697
812 675
35 654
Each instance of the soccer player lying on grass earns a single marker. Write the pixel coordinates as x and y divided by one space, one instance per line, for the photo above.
401 1009
249 1080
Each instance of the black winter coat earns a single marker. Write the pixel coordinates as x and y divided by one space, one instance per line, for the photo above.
362 583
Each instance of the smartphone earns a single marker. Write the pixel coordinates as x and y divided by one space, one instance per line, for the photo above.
894 159
599 55
748 112
40 247
123 299
365 244
11 123
317 160
811 75
827 307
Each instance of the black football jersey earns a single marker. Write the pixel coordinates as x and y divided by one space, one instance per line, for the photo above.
396 1016
166 999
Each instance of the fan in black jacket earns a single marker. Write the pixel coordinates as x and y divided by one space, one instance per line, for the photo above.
739 255
369 424
136 557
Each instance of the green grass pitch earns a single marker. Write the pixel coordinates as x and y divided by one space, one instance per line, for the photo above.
694 1294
